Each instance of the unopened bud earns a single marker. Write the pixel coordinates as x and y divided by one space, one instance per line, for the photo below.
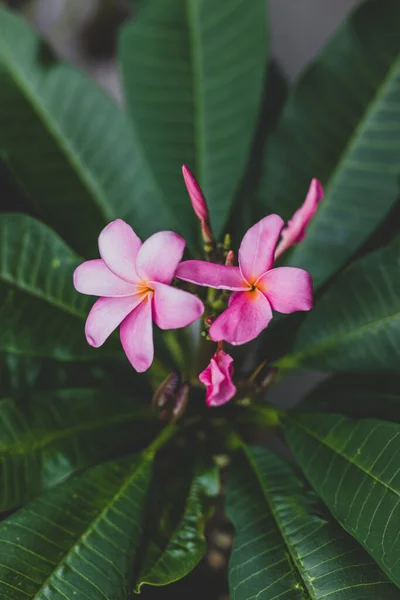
166 390
230 258
227 242
181 401
196 195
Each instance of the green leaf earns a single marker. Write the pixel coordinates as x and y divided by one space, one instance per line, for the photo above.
67 143
354 468
364 395
78 540
243 212
356 324
41 313
172 559
341 126
56 433
287 544
193 73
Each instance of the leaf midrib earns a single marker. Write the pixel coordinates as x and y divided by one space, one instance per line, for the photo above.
336 451
198 77
144 461
271 507
41 443
72 156
352 142
296 357
37 293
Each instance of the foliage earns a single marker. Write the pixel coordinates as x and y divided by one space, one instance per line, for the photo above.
108 478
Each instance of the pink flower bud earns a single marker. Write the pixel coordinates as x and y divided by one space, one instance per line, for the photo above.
295 231
196 195
230 258
217 378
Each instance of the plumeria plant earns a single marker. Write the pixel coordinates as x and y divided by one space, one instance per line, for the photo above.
201 372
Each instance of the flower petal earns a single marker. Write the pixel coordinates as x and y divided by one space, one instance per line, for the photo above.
256 252
159 256
118 246
212 275
137 336
94 278
288 289
174 308
105 316
294 232
217 377
247 315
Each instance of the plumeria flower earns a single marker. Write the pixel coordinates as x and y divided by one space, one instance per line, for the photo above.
217 378
258 288
133 280
295 231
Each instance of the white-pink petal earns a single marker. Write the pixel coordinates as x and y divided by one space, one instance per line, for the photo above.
212 275
105 316
94 278
173 308
159 256
118 246
288 289
247 315
257 250
136 334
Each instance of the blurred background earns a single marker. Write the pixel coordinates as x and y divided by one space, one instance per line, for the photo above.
84 32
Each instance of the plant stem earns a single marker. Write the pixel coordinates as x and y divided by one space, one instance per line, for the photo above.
166 434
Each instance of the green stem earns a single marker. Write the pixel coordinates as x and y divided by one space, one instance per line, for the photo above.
166 434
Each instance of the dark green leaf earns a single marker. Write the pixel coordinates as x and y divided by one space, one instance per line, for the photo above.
67 143
243 212
354 467
171 559
56 433
365 395
41 313
356 324
287 544
341 125
193 72
78 540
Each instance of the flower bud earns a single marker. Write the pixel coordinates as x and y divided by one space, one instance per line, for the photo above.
230 258
196 195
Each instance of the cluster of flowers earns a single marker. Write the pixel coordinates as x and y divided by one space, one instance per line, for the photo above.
133 279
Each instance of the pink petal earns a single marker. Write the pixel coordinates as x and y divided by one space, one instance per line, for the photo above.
118 246
105 316
288 289
159 256
217 377
208 274
174 308
137 336
248 314
196 195
257 250
94 278
294 232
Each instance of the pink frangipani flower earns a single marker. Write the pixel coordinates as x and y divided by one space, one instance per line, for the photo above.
133 280
258 287
217 378
295 231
